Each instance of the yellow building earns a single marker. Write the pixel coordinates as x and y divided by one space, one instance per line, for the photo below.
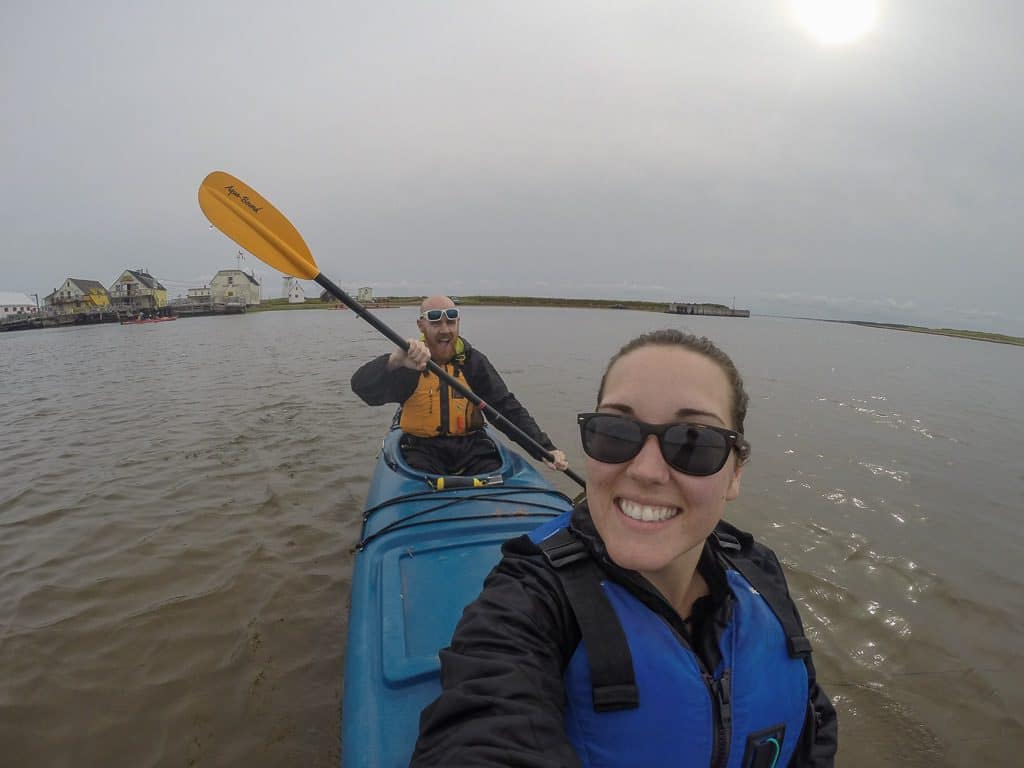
136 289
76 296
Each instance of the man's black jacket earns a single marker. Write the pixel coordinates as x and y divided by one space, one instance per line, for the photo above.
376 385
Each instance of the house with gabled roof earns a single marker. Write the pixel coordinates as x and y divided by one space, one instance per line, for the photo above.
136 289
235 287
76 295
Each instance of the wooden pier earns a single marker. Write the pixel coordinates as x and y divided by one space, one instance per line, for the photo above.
713 310
25 322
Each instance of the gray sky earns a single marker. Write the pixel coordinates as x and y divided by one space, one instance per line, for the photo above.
706 151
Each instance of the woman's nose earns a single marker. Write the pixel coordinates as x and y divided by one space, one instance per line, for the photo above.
649 464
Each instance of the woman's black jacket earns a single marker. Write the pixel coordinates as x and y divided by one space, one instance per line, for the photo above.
502 700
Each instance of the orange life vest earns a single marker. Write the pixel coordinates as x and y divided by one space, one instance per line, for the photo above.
435 409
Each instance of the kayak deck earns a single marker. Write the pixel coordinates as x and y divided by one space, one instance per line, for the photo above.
422 558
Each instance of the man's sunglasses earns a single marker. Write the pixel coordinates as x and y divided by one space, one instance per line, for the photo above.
693 449
435 315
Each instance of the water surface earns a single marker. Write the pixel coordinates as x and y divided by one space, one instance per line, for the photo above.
179 503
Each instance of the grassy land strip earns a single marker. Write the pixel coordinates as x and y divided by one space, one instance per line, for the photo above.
997 338
280 305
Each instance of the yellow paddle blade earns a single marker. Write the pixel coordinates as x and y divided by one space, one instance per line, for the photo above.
247 218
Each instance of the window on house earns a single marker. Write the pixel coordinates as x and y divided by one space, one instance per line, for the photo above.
231 280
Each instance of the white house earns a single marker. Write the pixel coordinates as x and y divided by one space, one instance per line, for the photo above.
16 303
293 291
233 286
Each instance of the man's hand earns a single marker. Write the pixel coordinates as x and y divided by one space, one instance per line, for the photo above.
416 358
559 462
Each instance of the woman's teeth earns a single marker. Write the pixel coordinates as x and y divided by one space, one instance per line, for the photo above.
646 513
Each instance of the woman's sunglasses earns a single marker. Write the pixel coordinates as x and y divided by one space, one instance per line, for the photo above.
435 315
693 449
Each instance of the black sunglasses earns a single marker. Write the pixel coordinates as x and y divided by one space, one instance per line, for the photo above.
435 315
693 449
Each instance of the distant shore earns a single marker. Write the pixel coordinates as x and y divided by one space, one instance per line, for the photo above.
480 301
997 338
956 333
382 303
644 306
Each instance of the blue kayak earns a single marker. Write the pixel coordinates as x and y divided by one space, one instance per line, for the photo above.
426 546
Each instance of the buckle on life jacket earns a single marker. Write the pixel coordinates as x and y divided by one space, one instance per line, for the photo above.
562 548
727 541
763 748
798 646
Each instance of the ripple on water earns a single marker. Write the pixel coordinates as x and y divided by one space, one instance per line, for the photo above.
887 418
909 675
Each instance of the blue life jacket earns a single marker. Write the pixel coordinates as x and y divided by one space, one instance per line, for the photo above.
637 695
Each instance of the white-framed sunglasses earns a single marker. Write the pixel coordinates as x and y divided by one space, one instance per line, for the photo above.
435 315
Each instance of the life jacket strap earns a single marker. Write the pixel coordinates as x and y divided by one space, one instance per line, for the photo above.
773 592
611 663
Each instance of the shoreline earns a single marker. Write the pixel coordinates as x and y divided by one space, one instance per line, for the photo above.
389 302
953 333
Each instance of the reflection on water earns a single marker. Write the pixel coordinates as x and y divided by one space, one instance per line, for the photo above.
179 503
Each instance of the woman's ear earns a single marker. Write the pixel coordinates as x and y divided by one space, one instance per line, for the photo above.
734 484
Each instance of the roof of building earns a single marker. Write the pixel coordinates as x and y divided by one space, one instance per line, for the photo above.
252 279
88 286
146 279
85 286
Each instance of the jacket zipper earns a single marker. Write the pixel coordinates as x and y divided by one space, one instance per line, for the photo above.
443 397
721 700
720 691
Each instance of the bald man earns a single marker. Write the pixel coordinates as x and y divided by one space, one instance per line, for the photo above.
444 432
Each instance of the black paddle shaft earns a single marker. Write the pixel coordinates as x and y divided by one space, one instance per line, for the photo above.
536 449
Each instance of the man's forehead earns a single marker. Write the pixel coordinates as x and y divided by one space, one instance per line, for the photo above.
436 302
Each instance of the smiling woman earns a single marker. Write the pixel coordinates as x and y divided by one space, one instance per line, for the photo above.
836 22
638 628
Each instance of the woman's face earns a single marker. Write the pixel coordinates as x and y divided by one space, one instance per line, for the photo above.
661 384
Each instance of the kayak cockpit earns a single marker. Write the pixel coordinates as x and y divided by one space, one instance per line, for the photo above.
423 556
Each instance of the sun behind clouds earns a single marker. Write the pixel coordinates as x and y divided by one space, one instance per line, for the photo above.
836 22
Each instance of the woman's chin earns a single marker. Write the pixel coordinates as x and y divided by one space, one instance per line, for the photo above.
641 558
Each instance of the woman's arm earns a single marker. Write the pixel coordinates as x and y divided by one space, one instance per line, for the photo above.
502 697
820 738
